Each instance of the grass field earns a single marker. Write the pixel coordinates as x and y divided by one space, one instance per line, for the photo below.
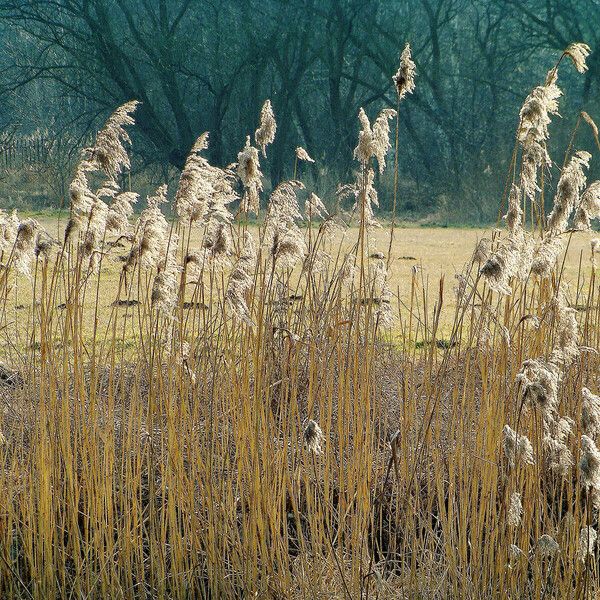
420 258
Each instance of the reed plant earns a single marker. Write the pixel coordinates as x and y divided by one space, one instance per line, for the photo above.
263 415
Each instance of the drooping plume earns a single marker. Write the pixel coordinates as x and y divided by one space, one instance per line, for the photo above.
578 52
302 154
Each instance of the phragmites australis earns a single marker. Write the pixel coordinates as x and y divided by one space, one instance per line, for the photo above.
532 132
571 183
557 455
313 437
165 286
404 79
302 154
43 244
150 239
314 207
566 348
24 248
513 256
241 280
539 381
9 225
204 190
374 141
547 546
590 414
108 153
589 467
514 215
120 211
517 448
587 541
248 170
265 134
217 244
589 207
578 52
515 510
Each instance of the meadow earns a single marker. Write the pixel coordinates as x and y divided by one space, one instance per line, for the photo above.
308 405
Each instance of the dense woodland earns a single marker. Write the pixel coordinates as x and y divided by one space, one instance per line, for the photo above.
204 65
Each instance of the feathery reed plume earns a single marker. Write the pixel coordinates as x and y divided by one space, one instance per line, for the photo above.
547 546
283 206
385 312
590 413
248 170
313 437
589 468
570 184
515 510
288 246
587 541
218 244
557 455
108 153
302 154
514 215
151 236
404 79
165 285
24 248
517 448
589 207
539 381
578 52
282 235
513 257
120 211
482 251
43 244
192 196
532 132
81 196
204 190
374 142
265 134
241 280
94 232
314 207
566 347
9 225
546 254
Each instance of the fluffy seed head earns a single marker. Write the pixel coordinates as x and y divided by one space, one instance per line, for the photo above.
265 134
515 510
313 437
302 154
404 79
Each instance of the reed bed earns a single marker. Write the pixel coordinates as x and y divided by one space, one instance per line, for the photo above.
282 422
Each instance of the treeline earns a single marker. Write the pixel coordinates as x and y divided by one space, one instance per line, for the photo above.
209 65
